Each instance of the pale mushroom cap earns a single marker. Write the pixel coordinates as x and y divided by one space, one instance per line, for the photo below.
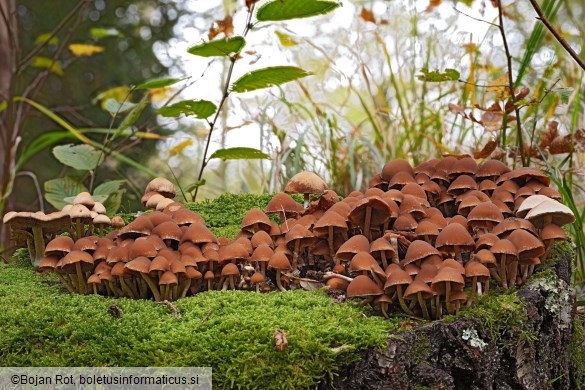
99 208
85 199
305 183
556 211
530 203
162 186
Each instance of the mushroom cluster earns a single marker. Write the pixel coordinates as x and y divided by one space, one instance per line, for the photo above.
422 241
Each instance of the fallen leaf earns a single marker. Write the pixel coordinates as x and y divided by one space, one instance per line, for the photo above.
80 49
579 140
311 286
454 108
225 25
561 144
367 15
488 148
280 340
522 94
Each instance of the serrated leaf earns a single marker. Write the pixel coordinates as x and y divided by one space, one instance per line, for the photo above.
80 49
267 77
132 116
81 157
56 190
198 108
103 32
436 76
180 147
285 39
159 83
46 38
293 9
239 154
48 63
109 187
219 48
113 106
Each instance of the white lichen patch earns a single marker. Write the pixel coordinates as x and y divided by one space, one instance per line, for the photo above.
558 298
470 335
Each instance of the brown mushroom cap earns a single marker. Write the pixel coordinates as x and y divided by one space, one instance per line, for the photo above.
485 215
478 270
68 262
462 184
549 232
59 246
142 247
523 175
491 169
508 225
391 168
452 235
140 264
255 217
198 233
283 202
362 286
330 218
528 246
305 183
416 287
168 230
418 250
162 186
397 276
230 269
168 278
279 262
355 244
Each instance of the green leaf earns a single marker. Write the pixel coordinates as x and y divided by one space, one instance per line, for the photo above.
113 106
565 94
199 108
103 32
113 203
239 154
48 63
292 9
132 116
109 187
3 105
56 190
436 77
191 187
219 47
81 157
159 83
46 38
267 77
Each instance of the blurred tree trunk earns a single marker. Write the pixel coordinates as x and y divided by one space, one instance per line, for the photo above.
8 49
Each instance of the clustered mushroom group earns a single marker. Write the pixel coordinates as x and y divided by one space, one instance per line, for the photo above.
423 241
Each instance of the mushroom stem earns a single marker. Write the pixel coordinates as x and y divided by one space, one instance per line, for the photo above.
438 307
94 288
39 246
473 288
495 275
503 272
367 222
307 200
423 306
383 308
153 288
65 283
80 280
487 286
513 273
109 292
433 308
175 292
278 284
115 289
448 297
257 287
232 285
125 288
330 241
458 254
376 278
384 261
184 288
401 300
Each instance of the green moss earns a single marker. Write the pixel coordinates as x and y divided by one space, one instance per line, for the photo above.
577 351
559 249
43 325
420 349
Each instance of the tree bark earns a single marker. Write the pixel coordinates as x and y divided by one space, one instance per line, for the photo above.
8 41
441 355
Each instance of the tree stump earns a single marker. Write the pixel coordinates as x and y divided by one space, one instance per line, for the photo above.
466 354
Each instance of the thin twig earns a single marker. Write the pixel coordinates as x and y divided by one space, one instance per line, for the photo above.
226 92
520 140
173 308
542 17
37 187
204 320
474 18
55 31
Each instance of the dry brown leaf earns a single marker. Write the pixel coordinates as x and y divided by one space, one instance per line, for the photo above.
280 340
488 148
249 3
561 144
548 135
432 5
492 120
367 15
454 108
522 94
579 140
225 25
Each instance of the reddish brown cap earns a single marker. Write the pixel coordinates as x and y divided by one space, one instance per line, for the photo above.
391 168
462 184
279 262
59 246
418 250
230 269
355 244
528 246
491 169
255 218
454 234
198 233
416 287
305 183
168 278
283 202
362 286
330 219
141 247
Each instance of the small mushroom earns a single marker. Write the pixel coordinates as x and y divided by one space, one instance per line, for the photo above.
305 183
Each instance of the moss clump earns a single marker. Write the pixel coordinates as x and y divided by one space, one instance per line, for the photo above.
231 331
420 349
559 249
577 352
229 209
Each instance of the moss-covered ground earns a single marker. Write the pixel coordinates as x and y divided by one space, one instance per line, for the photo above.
41 324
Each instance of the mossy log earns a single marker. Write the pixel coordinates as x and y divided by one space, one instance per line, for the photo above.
528 350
